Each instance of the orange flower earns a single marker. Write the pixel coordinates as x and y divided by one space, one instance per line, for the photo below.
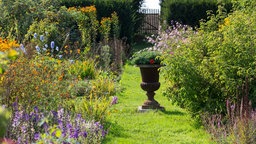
6 45
78 51
88 9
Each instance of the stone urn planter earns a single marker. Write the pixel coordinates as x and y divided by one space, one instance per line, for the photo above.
150 83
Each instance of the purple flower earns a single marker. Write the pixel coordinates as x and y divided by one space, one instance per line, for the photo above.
232 107
103 133
60 124
15 106
84 134
16 119
26 117
60 113
52 44
54 113
114 100
36 109
45 126
54 133
36 136
69 128
24 129
76 133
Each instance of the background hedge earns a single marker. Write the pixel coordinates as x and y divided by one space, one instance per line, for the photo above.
127 11
189 12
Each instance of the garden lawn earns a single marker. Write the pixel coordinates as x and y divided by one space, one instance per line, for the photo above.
128 126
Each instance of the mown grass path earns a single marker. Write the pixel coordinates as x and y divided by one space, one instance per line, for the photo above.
128 126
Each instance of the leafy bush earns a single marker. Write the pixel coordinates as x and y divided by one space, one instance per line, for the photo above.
93 97
18 15
214 64
127 11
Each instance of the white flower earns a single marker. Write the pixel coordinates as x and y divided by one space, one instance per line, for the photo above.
23 48
37 48
71 61
35 35
42 38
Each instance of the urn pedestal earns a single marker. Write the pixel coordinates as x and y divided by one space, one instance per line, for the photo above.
150 83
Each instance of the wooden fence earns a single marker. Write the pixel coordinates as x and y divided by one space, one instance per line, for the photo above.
151 21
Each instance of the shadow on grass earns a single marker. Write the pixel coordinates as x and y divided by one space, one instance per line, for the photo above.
114 130
175 112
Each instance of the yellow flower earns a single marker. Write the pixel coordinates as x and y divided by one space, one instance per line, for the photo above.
12 54
58 133
226 21
72 9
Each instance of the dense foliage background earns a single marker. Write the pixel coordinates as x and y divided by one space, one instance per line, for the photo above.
189 12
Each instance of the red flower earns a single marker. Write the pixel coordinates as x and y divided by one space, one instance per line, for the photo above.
152 61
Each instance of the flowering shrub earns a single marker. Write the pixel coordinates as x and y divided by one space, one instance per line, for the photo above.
164 44
213 64
53 127
7 53
6 45
38 81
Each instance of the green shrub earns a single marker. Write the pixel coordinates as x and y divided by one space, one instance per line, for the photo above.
18 15
215 64
4 118
94 97
91 108
83 69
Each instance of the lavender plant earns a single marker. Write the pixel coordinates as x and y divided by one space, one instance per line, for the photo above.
234 127
53 127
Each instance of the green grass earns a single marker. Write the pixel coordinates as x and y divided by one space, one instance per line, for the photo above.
128 126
